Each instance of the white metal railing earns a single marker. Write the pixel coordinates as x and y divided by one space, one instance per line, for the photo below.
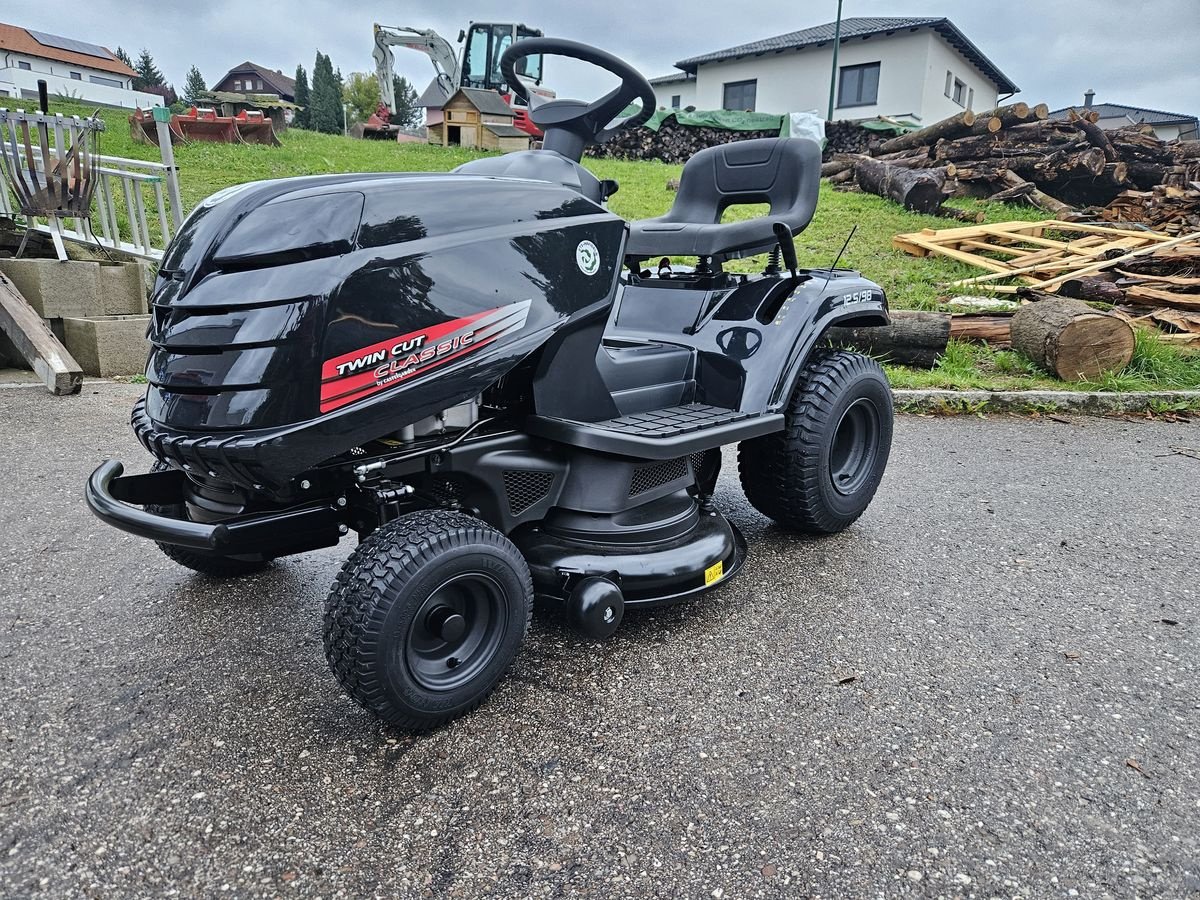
136 207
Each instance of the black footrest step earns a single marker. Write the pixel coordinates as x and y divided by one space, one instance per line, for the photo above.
659 433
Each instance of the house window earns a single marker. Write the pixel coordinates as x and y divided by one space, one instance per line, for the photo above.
21 64
971 98
110 82
676 99
960 93
258 84
740 95
949 82
858 85
75 76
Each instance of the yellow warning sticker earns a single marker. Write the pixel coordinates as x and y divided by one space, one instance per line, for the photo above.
714 572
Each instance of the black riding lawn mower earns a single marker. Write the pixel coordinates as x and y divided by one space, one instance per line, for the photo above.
479 374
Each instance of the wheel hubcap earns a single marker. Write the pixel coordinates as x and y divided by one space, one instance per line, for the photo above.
456 632
855 444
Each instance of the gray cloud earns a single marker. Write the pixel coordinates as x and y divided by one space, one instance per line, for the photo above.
1140 53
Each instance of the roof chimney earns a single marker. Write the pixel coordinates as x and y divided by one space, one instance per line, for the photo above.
1088 95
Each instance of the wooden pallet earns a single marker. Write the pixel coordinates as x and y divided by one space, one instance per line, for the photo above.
1041 255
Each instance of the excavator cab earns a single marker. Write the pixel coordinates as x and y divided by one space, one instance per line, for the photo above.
485 44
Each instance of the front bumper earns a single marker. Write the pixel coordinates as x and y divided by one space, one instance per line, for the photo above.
109 494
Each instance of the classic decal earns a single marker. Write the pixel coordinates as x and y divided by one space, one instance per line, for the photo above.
353 376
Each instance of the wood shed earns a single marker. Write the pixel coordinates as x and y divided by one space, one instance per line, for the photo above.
478 118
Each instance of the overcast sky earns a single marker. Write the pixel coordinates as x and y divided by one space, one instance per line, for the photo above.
1138 52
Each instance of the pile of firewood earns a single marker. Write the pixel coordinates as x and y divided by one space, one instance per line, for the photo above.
1160 289
845 137
1071 168
672 143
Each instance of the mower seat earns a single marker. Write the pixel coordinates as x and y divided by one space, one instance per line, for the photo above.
784 172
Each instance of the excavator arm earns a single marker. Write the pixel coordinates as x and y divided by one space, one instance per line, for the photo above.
426 40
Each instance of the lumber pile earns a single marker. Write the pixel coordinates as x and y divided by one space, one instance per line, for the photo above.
672 142
1016 154
1146 278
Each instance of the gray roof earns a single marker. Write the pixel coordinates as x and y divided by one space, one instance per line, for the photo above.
505 130
433 95
673 78
859 27
1137 114
486 101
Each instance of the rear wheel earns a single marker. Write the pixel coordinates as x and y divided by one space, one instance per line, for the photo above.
819 474
426 616
212 564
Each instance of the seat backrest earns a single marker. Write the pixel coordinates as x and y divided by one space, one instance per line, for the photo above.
784 172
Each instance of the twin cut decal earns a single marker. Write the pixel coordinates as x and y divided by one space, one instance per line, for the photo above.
353 376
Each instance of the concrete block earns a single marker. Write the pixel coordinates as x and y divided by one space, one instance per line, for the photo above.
124 288
77 289
108 345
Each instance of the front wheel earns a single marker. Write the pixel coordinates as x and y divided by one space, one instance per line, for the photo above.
426 616
819 474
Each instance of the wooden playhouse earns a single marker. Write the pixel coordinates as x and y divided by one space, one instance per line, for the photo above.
477 118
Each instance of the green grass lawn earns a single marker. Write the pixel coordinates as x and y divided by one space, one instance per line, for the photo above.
910 282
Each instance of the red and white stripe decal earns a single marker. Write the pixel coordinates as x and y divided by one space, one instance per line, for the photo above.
361 373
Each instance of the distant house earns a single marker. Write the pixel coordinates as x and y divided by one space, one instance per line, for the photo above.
70 68
1167 125
251 78
923 69
477 118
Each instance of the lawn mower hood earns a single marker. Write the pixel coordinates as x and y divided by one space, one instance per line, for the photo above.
291 317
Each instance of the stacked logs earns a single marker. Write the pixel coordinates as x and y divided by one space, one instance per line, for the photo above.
1016 154
845 137
672 142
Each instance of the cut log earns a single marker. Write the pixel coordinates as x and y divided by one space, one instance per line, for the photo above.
1006 116
955 126
1097 138
1072 340
836 165
916 189
1036 197
912 339
1092 287
994 330
35 341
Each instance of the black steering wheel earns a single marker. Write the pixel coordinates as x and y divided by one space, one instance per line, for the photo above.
570 125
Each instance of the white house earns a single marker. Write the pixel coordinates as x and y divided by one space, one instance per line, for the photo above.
1168 126
921 69
70 68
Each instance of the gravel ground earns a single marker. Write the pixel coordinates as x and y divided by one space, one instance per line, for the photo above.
986 688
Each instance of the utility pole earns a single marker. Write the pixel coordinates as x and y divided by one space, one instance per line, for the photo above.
837 40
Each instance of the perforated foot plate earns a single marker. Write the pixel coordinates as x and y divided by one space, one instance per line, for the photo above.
658 433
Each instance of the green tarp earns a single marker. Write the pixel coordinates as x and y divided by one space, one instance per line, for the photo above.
728 119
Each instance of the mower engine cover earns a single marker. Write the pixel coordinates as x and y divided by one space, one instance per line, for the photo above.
294 319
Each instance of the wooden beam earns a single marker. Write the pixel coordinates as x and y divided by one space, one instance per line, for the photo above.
36 342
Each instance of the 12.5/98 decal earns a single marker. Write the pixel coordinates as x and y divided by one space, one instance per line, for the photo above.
356 375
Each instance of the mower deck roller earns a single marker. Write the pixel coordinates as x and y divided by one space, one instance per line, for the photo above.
203 124
475 373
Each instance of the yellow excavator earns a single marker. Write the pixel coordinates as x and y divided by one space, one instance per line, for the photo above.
478 66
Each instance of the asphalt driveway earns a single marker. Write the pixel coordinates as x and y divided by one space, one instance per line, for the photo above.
986 688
